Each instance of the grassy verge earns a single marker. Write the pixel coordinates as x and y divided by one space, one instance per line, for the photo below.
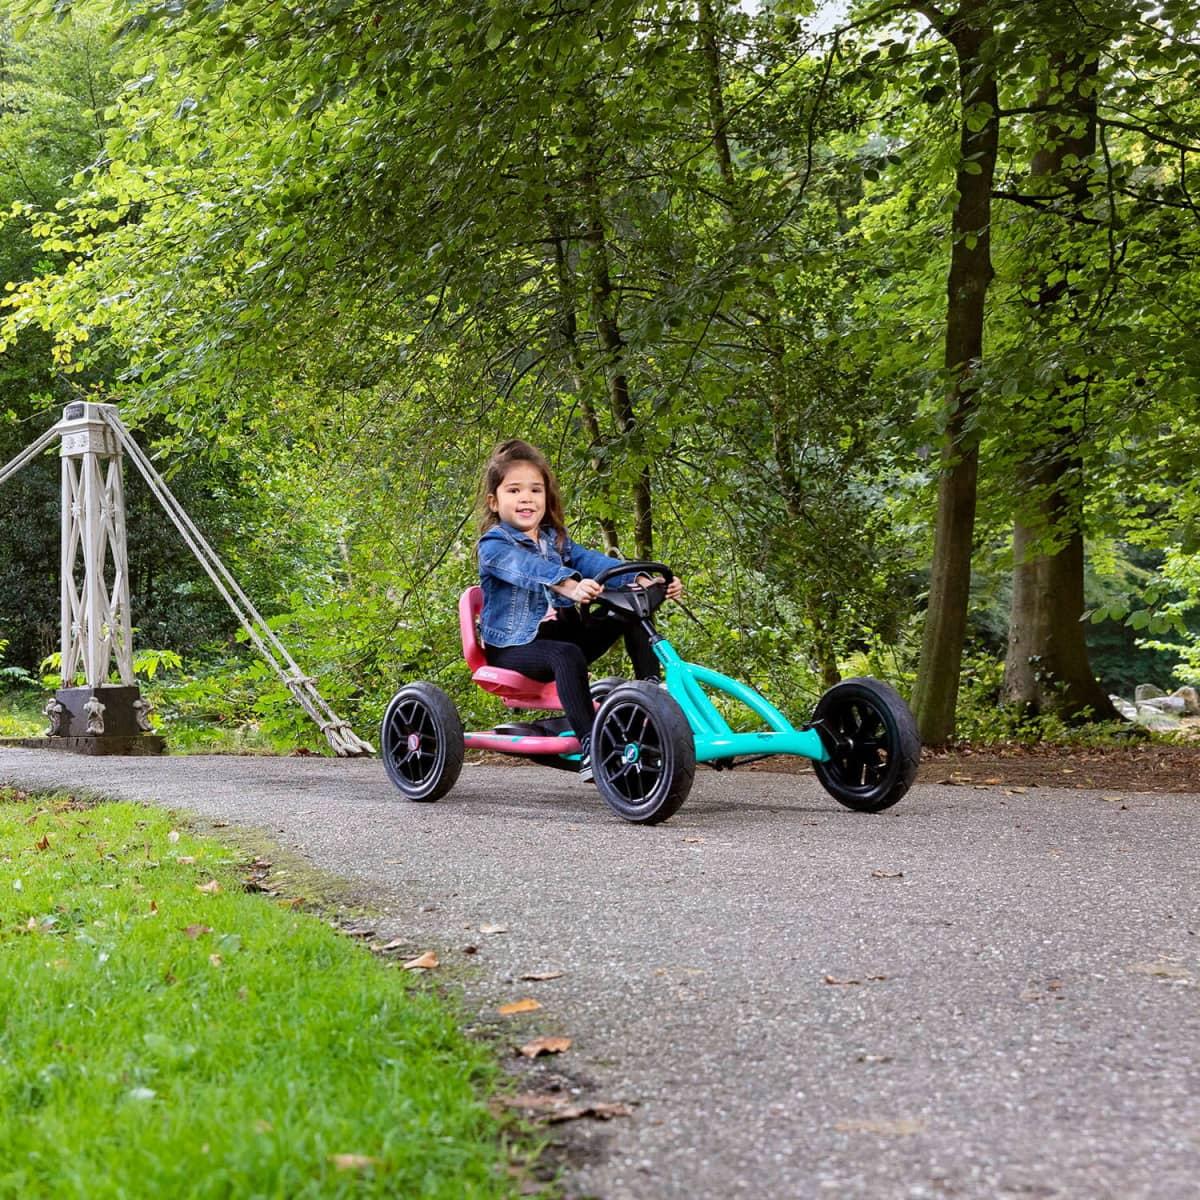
161 1037
21 713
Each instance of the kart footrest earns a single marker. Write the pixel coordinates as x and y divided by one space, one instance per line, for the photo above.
550 727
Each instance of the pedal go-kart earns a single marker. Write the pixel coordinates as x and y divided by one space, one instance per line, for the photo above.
648 738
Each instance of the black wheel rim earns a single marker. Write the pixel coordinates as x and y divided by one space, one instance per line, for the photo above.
631 754
863 760
414 749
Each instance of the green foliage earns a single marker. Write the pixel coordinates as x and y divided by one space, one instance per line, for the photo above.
330 253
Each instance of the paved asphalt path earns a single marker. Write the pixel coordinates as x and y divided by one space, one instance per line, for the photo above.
981 993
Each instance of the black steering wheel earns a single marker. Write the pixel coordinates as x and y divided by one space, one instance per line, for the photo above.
631 599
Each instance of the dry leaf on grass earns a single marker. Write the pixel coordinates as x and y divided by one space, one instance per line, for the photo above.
545 1045
215 960
528 1004
195 931
44 844
352 1162
541 976
173 836
211 888
423 962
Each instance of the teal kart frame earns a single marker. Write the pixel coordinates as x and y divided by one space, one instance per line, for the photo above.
715 740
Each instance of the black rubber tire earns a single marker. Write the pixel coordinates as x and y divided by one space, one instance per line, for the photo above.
878 748
643 753
421 742
600 688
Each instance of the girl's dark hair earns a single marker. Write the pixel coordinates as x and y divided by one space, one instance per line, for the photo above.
503 457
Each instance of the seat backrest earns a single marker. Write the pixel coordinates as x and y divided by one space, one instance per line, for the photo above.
470 605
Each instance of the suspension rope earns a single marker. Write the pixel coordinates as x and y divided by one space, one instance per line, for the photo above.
344 741
30 452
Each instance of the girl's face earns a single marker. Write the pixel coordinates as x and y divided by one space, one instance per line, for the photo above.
520 500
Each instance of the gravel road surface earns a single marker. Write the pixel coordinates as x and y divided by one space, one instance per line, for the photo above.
981 993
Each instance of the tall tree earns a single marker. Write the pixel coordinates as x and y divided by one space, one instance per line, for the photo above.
970 32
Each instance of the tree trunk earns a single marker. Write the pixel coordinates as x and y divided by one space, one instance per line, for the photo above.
569 333
1047 668
936 693
608 333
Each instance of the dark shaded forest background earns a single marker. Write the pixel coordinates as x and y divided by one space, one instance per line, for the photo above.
880 329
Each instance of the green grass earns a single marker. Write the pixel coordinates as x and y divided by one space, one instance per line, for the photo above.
141 1058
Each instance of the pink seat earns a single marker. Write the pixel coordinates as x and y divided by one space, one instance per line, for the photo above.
515 689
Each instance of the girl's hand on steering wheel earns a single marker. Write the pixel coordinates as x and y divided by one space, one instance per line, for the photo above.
674 588
586 590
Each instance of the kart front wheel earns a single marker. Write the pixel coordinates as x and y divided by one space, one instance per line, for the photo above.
643 753
873 743
421 742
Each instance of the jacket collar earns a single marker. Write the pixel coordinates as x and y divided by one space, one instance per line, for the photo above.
510 533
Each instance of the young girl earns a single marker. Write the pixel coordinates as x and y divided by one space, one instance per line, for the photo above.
529 570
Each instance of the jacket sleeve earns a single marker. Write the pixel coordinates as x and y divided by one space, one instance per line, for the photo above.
519 567
589 563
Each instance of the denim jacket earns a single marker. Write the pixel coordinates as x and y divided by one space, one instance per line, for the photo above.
516 577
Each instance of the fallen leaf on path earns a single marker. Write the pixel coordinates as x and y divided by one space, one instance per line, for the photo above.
529 1004
1160 970
887 874
842 982
493 929
542 976
388 947
545 1045
353 1162
211 888
900 1127
556 1108
1017 791
423 962
693 839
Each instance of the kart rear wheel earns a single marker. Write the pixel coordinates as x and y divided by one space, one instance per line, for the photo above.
421 742
643 753
873 740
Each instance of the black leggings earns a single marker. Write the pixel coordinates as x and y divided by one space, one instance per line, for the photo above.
562 650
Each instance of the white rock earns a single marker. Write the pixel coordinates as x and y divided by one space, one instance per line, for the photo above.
1147 691
1191 700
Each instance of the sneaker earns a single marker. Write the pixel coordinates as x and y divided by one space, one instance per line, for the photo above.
585 760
